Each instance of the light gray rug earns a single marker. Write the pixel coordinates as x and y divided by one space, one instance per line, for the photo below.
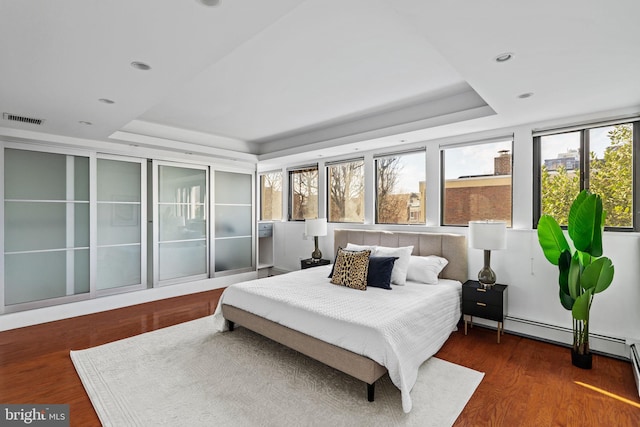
187 375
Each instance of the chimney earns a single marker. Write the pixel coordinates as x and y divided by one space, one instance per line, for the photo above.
502 163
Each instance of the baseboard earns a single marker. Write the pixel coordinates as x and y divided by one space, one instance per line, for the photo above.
25 318
599 344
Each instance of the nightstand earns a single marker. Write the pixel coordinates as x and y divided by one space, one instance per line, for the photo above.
488 303
310 262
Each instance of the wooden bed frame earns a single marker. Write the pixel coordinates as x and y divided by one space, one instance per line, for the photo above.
450 246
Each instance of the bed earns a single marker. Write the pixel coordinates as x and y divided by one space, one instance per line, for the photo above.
335 325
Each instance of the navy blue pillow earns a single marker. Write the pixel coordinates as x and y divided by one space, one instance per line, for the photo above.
379 274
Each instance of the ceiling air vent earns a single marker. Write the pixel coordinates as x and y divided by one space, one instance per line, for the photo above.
22 119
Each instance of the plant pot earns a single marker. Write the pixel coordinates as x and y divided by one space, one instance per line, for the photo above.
582 361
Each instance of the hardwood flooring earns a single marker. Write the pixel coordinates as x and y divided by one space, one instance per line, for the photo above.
526 383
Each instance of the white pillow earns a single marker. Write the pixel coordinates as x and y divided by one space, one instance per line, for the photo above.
425 269
399 273
354 247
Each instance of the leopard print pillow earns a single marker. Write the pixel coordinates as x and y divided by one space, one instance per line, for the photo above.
350 269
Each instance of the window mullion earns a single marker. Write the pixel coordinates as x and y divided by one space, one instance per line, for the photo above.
585 155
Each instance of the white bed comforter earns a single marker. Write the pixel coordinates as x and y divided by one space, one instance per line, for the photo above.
398 328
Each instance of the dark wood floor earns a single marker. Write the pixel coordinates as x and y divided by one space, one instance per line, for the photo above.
526 382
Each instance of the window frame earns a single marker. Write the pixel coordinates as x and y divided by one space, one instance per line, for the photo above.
328 187
290 173
420 150
443 181
261 196
584 168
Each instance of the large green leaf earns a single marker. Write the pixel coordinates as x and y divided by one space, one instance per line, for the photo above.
574 276
585 223
564 263
573 212
580 310
566 300
598 275
551 238
598 228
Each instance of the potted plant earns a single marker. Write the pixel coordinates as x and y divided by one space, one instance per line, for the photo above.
583 271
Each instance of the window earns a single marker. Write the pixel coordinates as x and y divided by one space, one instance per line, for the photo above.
346 191
303 190
400 188
477 183
271 196
606 168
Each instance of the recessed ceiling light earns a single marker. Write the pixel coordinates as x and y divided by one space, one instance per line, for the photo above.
106 101
503 57
84 122
140 66
525 95
210 2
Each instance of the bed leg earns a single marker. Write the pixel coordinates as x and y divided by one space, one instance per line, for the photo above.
371 388
231 325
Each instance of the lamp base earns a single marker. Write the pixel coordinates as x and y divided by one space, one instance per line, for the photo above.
486 276
316 255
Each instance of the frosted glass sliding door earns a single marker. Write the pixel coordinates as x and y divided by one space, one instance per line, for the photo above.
181 218
46 227
121 219
233 197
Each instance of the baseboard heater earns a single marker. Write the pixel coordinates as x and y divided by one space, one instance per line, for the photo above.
635 362
600 344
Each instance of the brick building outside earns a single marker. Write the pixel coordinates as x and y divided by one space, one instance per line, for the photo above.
480 197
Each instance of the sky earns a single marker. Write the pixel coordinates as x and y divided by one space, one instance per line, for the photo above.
553 145
473 159
479 159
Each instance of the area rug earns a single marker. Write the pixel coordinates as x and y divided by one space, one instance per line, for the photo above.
189 375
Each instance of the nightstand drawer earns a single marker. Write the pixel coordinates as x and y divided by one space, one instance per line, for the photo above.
265 229
310 263
487 296
480 309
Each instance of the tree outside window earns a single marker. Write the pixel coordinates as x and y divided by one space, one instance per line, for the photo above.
606 171
303 194
400 189
346 191
271 196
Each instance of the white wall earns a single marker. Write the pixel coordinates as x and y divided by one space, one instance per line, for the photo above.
533 304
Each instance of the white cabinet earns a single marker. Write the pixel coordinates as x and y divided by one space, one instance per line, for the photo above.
265 248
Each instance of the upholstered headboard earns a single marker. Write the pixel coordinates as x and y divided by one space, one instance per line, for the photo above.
453 247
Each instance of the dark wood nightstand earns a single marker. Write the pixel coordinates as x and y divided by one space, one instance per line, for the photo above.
488 303
310 262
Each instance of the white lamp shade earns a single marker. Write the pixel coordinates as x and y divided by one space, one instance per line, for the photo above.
488 235
315 227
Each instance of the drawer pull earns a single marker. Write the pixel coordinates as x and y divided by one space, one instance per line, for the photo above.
481 304
481 290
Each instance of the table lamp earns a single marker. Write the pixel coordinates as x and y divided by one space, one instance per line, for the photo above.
488 236
316 227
